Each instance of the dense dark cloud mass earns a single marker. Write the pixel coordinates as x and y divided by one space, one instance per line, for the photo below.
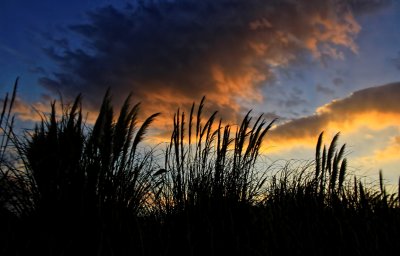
174 52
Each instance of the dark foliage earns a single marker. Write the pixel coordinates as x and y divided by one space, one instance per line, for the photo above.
68 189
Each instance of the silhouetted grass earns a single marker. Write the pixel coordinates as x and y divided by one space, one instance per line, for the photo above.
68 188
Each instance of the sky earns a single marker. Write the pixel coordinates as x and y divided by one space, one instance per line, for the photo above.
331 66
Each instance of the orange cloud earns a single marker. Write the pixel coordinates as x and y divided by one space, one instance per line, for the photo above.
27 112
391 152
375 108
37 111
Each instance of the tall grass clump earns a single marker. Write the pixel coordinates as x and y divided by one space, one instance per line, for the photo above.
209 178
205 161
318 208
93 179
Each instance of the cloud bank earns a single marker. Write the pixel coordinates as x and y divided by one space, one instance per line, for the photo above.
376 108
171 53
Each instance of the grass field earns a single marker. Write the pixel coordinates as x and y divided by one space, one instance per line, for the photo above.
67 188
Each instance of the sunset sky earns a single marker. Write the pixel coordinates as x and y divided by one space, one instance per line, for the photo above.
315 65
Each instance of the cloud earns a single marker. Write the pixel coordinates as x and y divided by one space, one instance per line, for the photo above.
171 53
376 108
390 152
294 100
337 81
396 61
324 90
28 112
380 153
13 53
368 6
34 113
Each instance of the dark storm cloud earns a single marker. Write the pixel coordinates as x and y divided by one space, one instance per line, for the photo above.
169 52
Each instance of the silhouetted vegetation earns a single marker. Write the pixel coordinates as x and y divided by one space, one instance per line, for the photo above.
67 188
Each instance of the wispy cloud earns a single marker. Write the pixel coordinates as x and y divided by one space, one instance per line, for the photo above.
323 89
14 53
396 61
337 81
